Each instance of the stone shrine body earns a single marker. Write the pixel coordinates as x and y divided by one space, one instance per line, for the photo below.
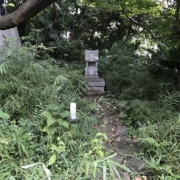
95 83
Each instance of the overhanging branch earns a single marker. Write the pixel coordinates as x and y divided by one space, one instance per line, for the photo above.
28 10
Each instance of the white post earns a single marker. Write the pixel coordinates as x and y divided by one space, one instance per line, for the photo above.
73 111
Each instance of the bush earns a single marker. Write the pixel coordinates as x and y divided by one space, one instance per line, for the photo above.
26 82
67 51
37 140
156 124
127 75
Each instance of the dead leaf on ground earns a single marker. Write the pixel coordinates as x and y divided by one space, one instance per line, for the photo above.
135 140
138 178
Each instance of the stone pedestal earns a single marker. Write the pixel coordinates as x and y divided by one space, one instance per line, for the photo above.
95 83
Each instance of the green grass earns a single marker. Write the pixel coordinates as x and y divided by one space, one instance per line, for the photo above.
36 138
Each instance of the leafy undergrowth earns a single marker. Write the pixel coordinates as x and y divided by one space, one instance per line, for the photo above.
37 140
156 124
150 104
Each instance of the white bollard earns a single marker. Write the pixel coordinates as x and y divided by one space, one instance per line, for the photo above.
73 111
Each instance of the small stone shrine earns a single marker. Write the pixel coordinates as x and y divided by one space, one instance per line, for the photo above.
95 83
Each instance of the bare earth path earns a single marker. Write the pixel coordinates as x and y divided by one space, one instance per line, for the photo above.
107 112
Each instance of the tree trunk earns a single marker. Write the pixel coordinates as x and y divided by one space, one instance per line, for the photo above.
28 10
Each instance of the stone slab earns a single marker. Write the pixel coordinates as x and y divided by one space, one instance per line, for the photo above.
10 34
137 165
109 127
109 112
125 147
91 55
87 76
94 78
124 175
121 130
97 83
97 88
95 92
106 119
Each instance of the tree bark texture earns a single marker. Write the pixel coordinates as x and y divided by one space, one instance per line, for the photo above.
28 10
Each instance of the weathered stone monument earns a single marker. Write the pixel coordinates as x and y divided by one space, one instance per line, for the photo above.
8 36
95 83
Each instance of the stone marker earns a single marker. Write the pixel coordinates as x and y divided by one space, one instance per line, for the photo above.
8 36
95 83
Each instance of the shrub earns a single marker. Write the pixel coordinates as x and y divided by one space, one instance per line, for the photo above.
26 81
156 125
127 75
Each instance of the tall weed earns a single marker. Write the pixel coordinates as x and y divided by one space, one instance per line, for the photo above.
26 82
156 125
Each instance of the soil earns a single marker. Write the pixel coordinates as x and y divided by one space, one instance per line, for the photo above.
118 140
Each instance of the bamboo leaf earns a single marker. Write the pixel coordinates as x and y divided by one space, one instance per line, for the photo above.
109 157
111 170
95 169
123 167
100 152
104 170
117 173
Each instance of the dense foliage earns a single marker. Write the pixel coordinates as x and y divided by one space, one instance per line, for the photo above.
37 139
40 79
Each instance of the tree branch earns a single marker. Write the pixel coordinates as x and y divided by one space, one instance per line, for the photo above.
26 11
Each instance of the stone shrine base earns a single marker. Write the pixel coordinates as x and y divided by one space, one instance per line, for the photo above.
96 84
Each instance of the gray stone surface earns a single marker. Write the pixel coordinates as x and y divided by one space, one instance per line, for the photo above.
9 36
125 147
124 176
137 165
95 83
90 76
109 112
121 130
108 130
117 159
91 58
96 88
109 127
105 120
